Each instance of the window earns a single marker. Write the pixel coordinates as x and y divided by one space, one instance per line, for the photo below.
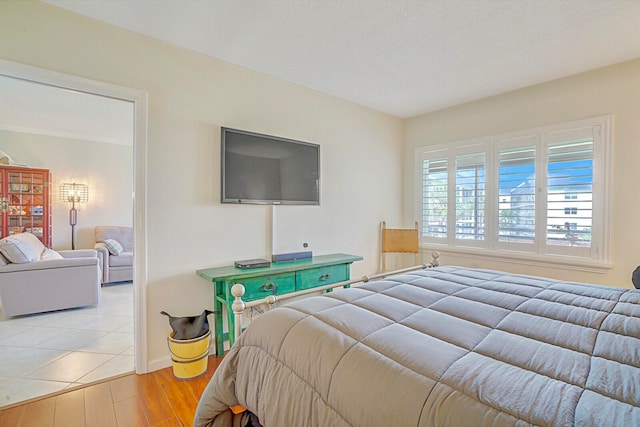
470 196
570 173
434 197
540 193
516 181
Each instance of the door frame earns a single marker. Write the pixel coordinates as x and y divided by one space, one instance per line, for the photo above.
139 100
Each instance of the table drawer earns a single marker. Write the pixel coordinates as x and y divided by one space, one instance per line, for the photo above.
314 277
261 287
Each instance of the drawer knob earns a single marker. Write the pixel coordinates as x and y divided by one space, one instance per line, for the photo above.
270 287
325 276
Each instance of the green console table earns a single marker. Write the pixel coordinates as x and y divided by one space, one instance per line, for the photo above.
278 279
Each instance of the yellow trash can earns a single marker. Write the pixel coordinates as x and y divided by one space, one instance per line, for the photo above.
189 357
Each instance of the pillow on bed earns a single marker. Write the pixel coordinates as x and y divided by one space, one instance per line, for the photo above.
114 247
4 260
635 277
21 248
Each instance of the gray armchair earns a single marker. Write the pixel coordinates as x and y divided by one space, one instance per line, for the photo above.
115 267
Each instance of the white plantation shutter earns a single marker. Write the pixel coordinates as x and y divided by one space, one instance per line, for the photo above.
532 194
470 196
569 193
517 194
435 197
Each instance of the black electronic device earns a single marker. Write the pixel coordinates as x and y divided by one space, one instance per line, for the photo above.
264 169
252 263
293 256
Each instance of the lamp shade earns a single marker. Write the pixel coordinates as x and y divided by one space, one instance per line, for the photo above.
74 193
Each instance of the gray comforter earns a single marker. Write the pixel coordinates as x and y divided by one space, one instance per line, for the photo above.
447 346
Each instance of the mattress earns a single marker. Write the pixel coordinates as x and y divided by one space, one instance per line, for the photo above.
447 346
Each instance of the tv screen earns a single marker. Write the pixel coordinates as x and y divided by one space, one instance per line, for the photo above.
263 169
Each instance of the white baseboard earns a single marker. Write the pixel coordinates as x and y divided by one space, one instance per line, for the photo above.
157 364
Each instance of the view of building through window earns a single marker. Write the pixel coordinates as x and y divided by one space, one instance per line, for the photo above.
569 193
517 194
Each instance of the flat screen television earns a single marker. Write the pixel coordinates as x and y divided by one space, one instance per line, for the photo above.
264 169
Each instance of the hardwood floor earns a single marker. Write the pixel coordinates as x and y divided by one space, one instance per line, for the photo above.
156 399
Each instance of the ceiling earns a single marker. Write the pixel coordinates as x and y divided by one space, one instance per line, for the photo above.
402 57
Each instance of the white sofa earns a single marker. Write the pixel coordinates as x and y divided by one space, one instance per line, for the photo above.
117 266
34 279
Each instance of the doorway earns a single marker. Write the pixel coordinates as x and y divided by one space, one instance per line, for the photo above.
136 100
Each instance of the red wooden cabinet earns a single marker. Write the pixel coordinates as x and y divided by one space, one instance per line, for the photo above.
25 202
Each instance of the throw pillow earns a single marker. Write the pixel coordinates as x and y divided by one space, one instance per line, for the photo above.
4 260
21 248
50 254
114 247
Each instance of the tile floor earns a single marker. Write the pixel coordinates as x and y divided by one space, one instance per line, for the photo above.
46 353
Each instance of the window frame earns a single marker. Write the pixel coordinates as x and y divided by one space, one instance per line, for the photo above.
540 252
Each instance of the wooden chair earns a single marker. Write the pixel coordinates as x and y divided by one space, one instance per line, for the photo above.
399 241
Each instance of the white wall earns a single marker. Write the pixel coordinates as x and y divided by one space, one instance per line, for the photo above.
190 97
610 90
106 168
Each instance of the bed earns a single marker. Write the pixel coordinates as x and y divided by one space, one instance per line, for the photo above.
447 346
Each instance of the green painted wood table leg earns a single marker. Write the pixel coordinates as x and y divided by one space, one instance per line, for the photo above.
217 306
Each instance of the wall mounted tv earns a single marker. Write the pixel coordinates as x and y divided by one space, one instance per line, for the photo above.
263 169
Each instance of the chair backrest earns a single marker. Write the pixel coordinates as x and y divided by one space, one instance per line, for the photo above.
399 240
124 235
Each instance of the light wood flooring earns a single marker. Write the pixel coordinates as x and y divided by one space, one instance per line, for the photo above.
156 399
